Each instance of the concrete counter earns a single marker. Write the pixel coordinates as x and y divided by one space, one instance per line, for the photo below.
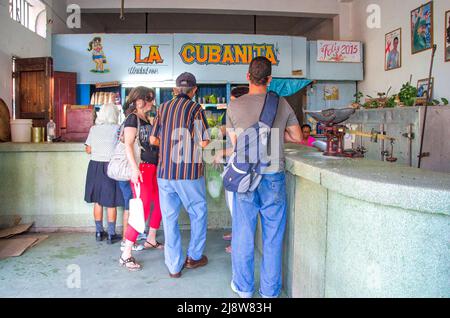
42 147
44 183
373 181
362 228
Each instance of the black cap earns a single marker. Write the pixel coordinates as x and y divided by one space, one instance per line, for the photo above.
186 80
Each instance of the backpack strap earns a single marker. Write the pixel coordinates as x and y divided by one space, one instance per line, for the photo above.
270 108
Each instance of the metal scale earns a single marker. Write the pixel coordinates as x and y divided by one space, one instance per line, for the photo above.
331 120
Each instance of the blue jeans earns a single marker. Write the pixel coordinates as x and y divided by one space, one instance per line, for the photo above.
125 187
268 201
192 194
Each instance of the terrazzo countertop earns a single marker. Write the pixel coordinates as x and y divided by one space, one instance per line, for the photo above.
373 181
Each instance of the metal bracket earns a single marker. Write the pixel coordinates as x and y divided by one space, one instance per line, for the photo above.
410 136
424 155
374 135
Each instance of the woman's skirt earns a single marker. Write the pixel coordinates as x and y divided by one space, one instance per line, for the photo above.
100 188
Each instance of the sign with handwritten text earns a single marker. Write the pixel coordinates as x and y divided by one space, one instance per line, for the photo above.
339 51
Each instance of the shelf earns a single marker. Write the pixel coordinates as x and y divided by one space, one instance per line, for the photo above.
215 106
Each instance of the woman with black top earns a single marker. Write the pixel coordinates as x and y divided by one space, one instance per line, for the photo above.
139 102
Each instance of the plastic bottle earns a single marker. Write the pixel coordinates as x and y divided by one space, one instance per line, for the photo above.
51 131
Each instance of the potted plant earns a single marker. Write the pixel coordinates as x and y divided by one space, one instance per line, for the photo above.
357 103
408 94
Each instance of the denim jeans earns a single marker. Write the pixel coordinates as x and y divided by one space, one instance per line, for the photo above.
127 193
269 202
192 194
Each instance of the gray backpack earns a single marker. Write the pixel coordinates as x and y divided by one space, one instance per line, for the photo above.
243 171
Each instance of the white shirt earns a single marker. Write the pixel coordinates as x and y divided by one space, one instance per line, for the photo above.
103 140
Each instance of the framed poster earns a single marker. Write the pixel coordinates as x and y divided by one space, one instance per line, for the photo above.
393 50
422 36
331 93
447 36
339 51
422 88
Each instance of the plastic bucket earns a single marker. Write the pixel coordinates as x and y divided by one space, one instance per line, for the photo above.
21 130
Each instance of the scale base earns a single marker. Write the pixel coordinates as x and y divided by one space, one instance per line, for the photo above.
346 154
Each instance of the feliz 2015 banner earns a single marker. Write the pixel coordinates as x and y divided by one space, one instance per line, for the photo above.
339 51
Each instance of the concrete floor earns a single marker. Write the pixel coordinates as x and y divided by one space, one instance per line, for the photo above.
44 270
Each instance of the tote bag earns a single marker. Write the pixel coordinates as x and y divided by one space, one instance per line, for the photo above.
119 167
136 218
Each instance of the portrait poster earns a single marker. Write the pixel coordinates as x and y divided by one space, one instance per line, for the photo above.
422 37
393 50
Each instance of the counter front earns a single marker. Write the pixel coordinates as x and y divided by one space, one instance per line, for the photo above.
363 228
44 183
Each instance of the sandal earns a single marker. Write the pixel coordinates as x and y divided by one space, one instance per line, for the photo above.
135 267
156 246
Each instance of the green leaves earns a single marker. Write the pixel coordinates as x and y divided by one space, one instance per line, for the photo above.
408 94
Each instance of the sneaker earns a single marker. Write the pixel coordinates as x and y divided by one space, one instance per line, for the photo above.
241 294
142 236
136 247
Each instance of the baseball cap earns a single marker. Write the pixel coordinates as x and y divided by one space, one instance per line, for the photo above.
186 79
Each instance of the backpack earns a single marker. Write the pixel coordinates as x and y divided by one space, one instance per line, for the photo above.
243 171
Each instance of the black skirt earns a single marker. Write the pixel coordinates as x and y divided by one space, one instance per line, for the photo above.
100 188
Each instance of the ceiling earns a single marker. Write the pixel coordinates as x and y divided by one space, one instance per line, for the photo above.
167 22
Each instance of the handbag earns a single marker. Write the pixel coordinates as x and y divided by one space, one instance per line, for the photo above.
136 218
119 167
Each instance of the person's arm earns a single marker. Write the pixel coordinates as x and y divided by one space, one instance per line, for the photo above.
87 144
129 140
202 129
293 134
154 139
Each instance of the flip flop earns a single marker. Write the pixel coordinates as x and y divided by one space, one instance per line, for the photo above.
130 260
153 246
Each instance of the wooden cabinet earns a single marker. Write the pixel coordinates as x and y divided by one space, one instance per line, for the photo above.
64 94
34 89
41 93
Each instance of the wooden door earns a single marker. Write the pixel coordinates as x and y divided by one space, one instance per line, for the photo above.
64 94
34 89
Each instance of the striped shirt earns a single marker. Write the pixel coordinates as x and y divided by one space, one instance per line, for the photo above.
180 124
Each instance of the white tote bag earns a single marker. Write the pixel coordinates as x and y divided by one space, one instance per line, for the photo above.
136 218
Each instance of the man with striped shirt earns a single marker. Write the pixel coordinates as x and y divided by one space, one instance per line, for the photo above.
181 130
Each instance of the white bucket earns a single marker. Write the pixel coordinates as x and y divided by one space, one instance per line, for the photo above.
21 130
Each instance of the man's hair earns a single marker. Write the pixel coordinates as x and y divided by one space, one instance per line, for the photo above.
306 125
239 91
183 90
260 69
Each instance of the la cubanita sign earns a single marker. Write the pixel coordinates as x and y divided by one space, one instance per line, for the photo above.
138 58
226 54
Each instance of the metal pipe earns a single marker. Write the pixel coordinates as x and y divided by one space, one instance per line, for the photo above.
426 107
122 10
